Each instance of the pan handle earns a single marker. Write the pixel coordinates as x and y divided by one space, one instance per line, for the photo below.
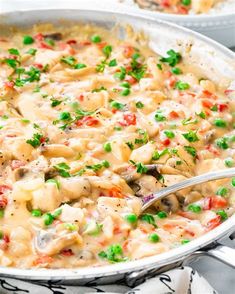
222 253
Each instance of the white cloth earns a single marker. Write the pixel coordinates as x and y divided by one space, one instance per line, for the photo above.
182 280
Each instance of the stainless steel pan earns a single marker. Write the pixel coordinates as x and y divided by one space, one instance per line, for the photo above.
214 60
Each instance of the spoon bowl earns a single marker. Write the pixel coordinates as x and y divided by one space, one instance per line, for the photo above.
204 178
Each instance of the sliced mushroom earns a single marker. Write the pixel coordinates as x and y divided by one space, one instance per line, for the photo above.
169 203
209 136
130 175
54 36
145 185
48 242
20 173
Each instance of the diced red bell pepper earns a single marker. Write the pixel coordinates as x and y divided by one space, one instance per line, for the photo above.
207 103
115 192
88 121
173 114
166 3
85 43
38 65
43 259
44 46
129 119
3 202
222 106
4 188
228 91
128 51
71 42
131 80
218 202
9 85
166 142
4 243
182 10
39 37
213 223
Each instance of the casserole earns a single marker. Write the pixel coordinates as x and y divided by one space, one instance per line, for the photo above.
218 25
157 30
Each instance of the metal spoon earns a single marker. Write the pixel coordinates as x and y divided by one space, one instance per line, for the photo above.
207 177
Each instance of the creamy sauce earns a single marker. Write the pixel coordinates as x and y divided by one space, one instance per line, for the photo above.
89 125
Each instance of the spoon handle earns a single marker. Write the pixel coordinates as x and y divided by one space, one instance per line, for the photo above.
217 175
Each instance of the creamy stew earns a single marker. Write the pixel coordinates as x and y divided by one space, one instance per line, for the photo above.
89 125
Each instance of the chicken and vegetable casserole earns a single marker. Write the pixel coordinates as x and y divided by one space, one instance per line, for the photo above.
91 124
178 6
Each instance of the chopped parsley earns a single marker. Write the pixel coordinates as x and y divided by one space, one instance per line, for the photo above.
191 150
140 167
157 155
36 140
98 166
65 116
79 66
176 70
63 169
11 62
120 75
69 60
55 102
130 145
55 182
149 218
112 62
101 66
49 218
191 136
117 105
172 59
201 115
169 134
189 121
107 50
36 212
14 51
32 51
